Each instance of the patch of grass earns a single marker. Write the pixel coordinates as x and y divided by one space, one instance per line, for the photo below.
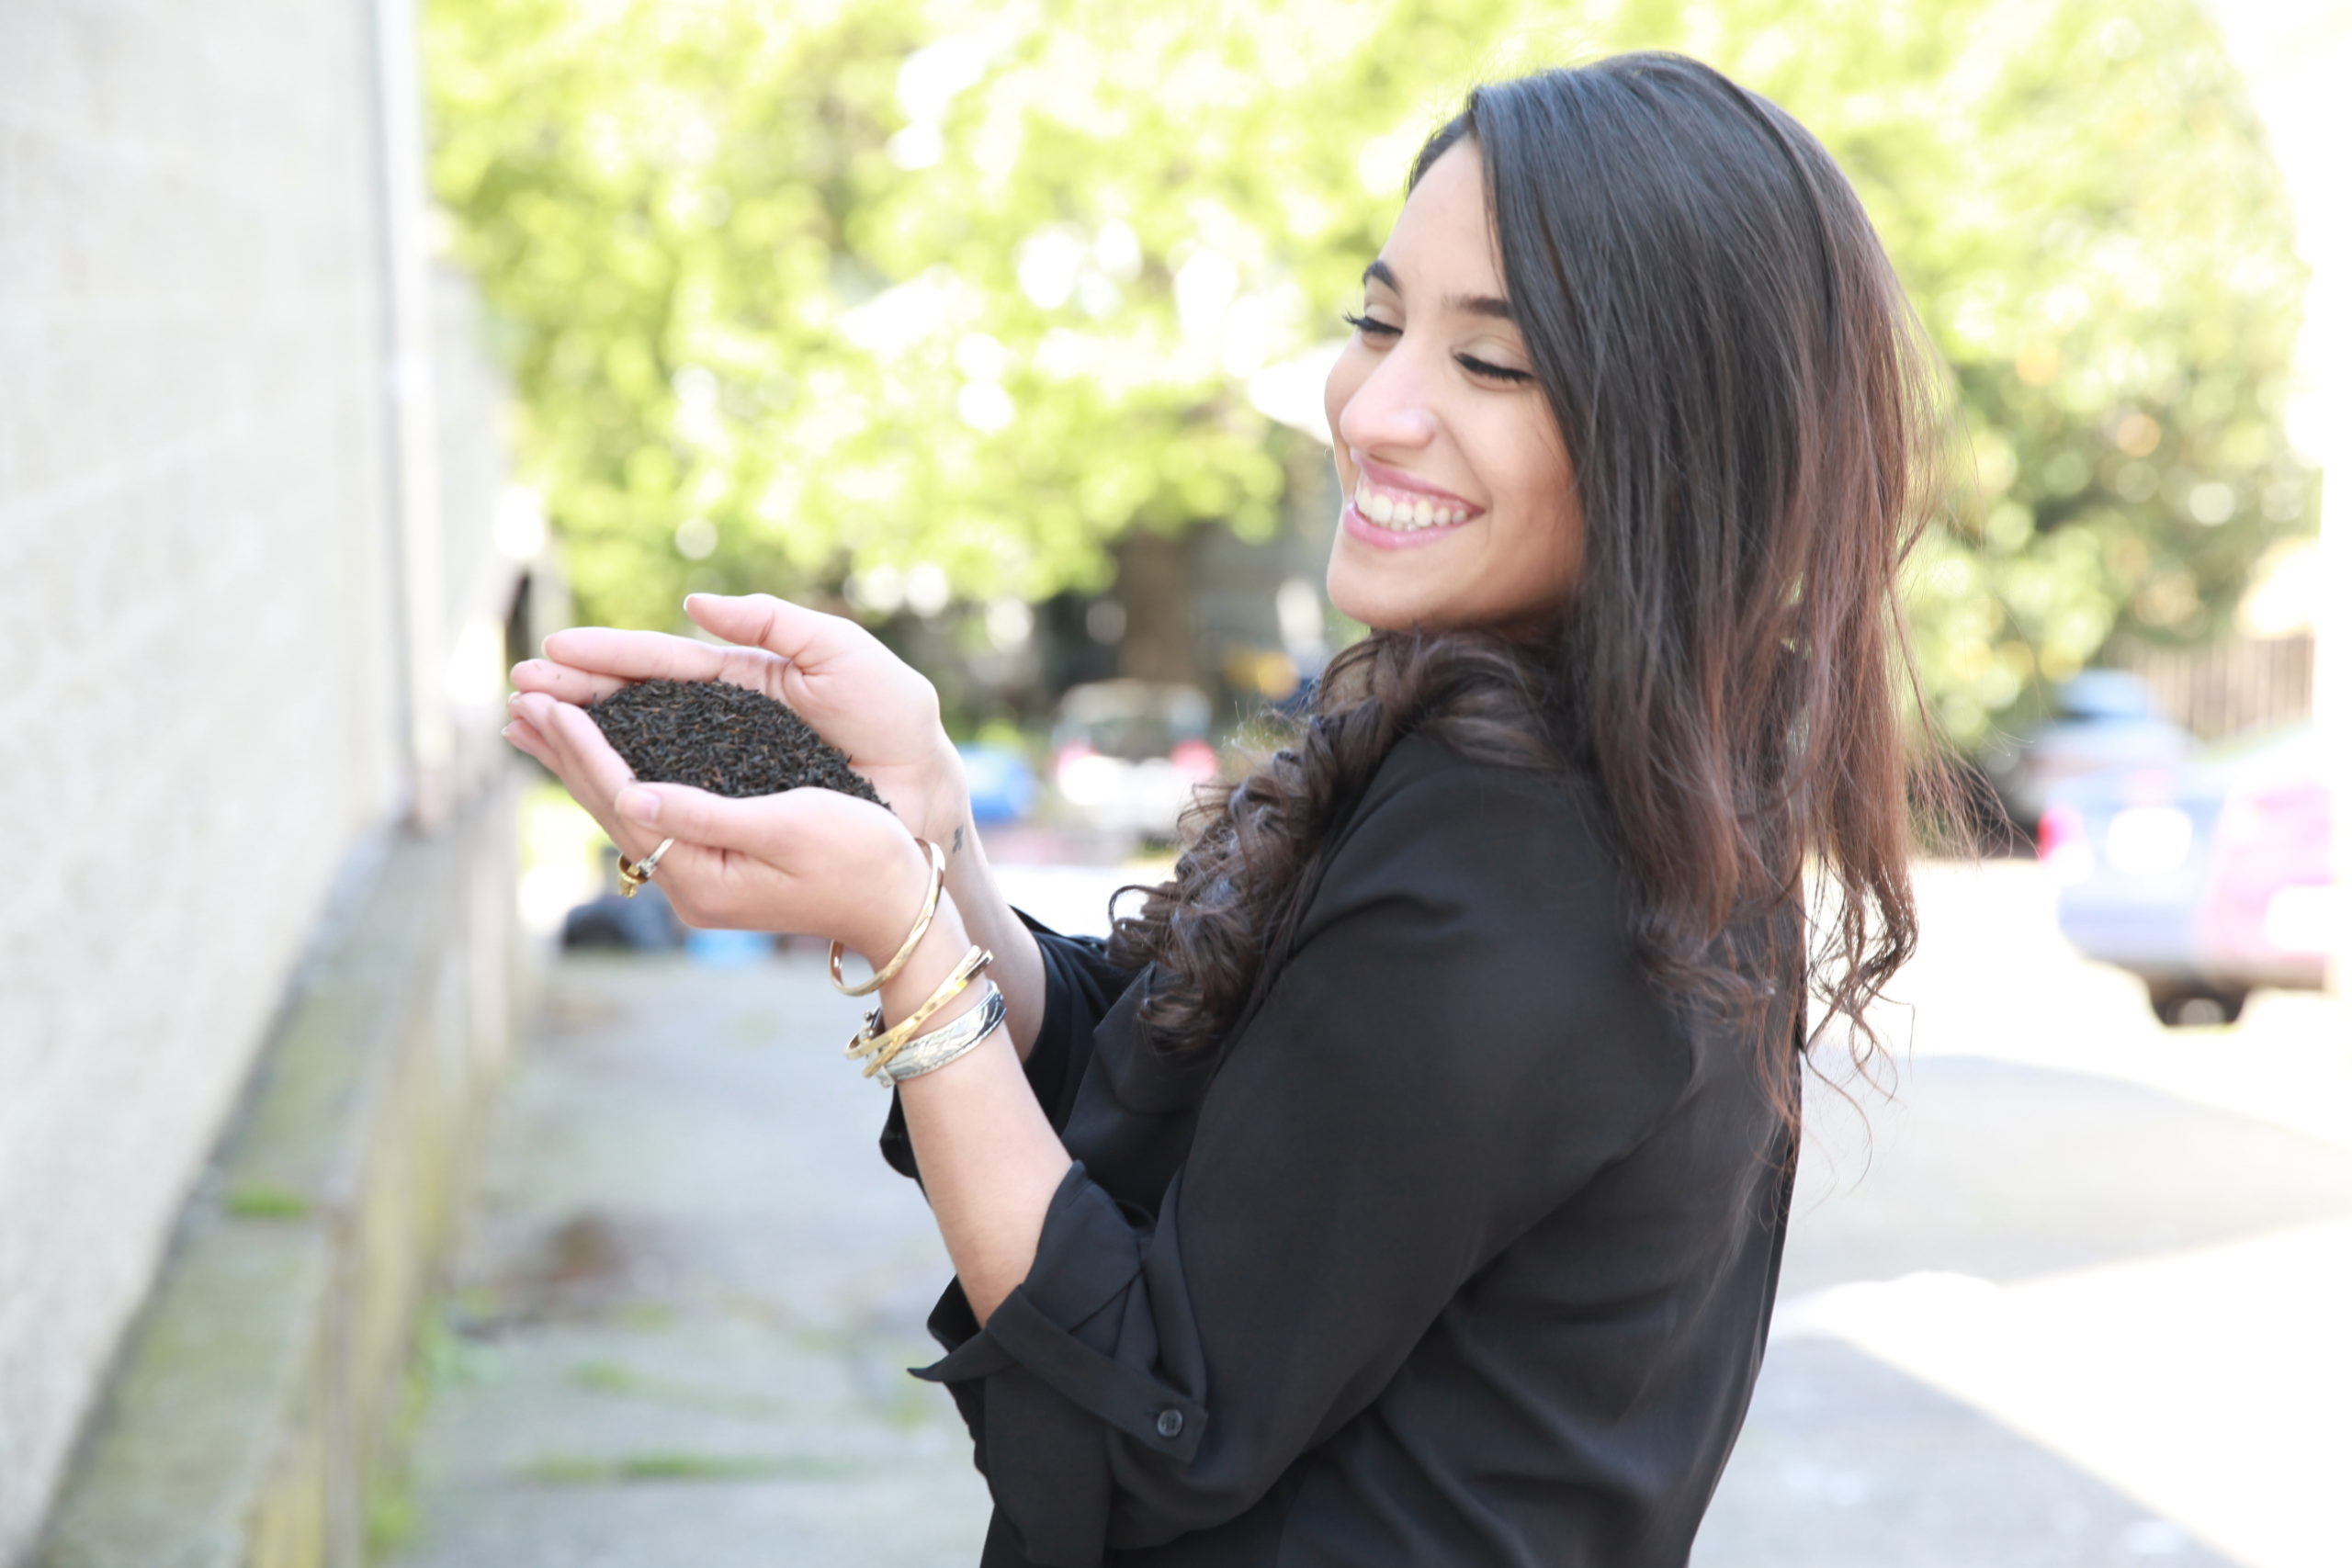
644 1315
443 1356
604 1377
912 1404
578 1470
437 1358
261 1202
627 1383
392 1521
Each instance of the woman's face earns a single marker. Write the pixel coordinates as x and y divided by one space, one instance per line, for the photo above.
1459 512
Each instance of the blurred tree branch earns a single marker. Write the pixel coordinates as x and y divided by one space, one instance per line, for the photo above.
793 292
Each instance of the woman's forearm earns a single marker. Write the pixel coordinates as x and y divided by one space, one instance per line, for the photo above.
991 1161
1019 970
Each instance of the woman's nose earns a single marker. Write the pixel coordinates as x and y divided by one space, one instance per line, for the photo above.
1389 408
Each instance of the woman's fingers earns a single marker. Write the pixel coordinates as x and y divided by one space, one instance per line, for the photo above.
766 827
526 740
590 768
703 884
803 859
634 655
795 631
598 767
564 683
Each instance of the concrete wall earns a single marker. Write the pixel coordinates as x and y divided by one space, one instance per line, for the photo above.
257 1414
201 617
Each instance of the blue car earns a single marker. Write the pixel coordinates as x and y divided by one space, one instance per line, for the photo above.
1004 785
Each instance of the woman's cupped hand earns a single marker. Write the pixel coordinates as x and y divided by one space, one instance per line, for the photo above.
841 680
807 861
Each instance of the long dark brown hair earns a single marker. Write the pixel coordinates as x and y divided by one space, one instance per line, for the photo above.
1753 422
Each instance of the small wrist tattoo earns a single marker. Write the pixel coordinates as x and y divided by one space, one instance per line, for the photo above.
958 844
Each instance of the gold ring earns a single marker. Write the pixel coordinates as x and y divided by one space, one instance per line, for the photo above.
636 876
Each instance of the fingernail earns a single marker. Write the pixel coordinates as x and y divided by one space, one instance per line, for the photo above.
514 697
642 805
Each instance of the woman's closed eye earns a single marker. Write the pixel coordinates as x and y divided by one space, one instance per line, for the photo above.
1495 372
1373 327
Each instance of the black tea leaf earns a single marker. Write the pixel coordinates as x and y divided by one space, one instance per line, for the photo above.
727 740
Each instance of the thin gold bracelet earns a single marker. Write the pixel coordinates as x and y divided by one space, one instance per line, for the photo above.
898 959
873 1040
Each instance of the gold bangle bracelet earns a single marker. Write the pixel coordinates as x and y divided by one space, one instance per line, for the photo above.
897 960
939 1046
882 1044
874 1040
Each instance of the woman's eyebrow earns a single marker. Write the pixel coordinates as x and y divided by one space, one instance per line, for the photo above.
1464 304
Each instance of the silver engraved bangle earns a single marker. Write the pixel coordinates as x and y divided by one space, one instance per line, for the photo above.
928 1053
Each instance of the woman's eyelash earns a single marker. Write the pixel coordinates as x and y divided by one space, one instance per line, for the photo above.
1475 366
1480 367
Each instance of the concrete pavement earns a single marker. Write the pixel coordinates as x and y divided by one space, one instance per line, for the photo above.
2077 1298
680 1329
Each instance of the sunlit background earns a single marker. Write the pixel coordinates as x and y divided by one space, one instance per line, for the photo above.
376 1184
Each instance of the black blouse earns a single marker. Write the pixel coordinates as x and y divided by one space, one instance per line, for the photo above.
1460 1251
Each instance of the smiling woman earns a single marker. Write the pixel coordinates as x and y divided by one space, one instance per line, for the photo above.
1637 350
1406 1183
1431 1127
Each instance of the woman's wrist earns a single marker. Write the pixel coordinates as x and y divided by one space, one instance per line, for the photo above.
941 948
1019 967
946 808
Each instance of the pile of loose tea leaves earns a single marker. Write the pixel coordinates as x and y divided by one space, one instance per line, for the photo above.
727 740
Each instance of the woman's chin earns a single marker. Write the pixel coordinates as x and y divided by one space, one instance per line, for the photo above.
1378 612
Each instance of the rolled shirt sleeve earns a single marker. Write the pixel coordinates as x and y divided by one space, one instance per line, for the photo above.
1458 1041
1081 983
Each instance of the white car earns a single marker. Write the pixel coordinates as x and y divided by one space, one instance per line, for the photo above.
1127 752
2206 878
2103 718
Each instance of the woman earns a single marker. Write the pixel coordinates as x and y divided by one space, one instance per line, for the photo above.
1406 1183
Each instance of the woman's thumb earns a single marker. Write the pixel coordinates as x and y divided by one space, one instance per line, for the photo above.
682 811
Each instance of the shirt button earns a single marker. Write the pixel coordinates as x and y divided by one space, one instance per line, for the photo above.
1170 1423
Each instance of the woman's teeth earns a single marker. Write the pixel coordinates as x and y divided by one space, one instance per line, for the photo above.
1403 512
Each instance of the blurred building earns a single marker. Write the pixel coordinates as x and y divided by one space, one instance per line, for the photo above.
1244 620
256 595
2227 687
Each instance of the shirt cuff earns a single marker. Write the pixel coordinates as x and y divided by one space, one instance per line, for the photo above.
1088 1258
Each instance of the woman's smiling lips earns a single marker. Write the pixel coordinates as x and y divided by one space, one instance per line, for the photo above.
1393 510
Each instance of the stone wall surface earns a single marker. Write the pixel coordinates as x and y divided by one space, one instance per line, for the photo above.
257 1412
201 665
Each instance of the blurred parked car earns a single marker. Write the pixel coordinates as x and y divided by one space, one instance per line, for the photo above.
1127 752
2103 718
1003 787
2205 878
645 923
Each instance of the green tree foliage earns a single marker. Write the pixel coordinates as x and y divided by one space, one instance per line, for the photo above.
799 290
